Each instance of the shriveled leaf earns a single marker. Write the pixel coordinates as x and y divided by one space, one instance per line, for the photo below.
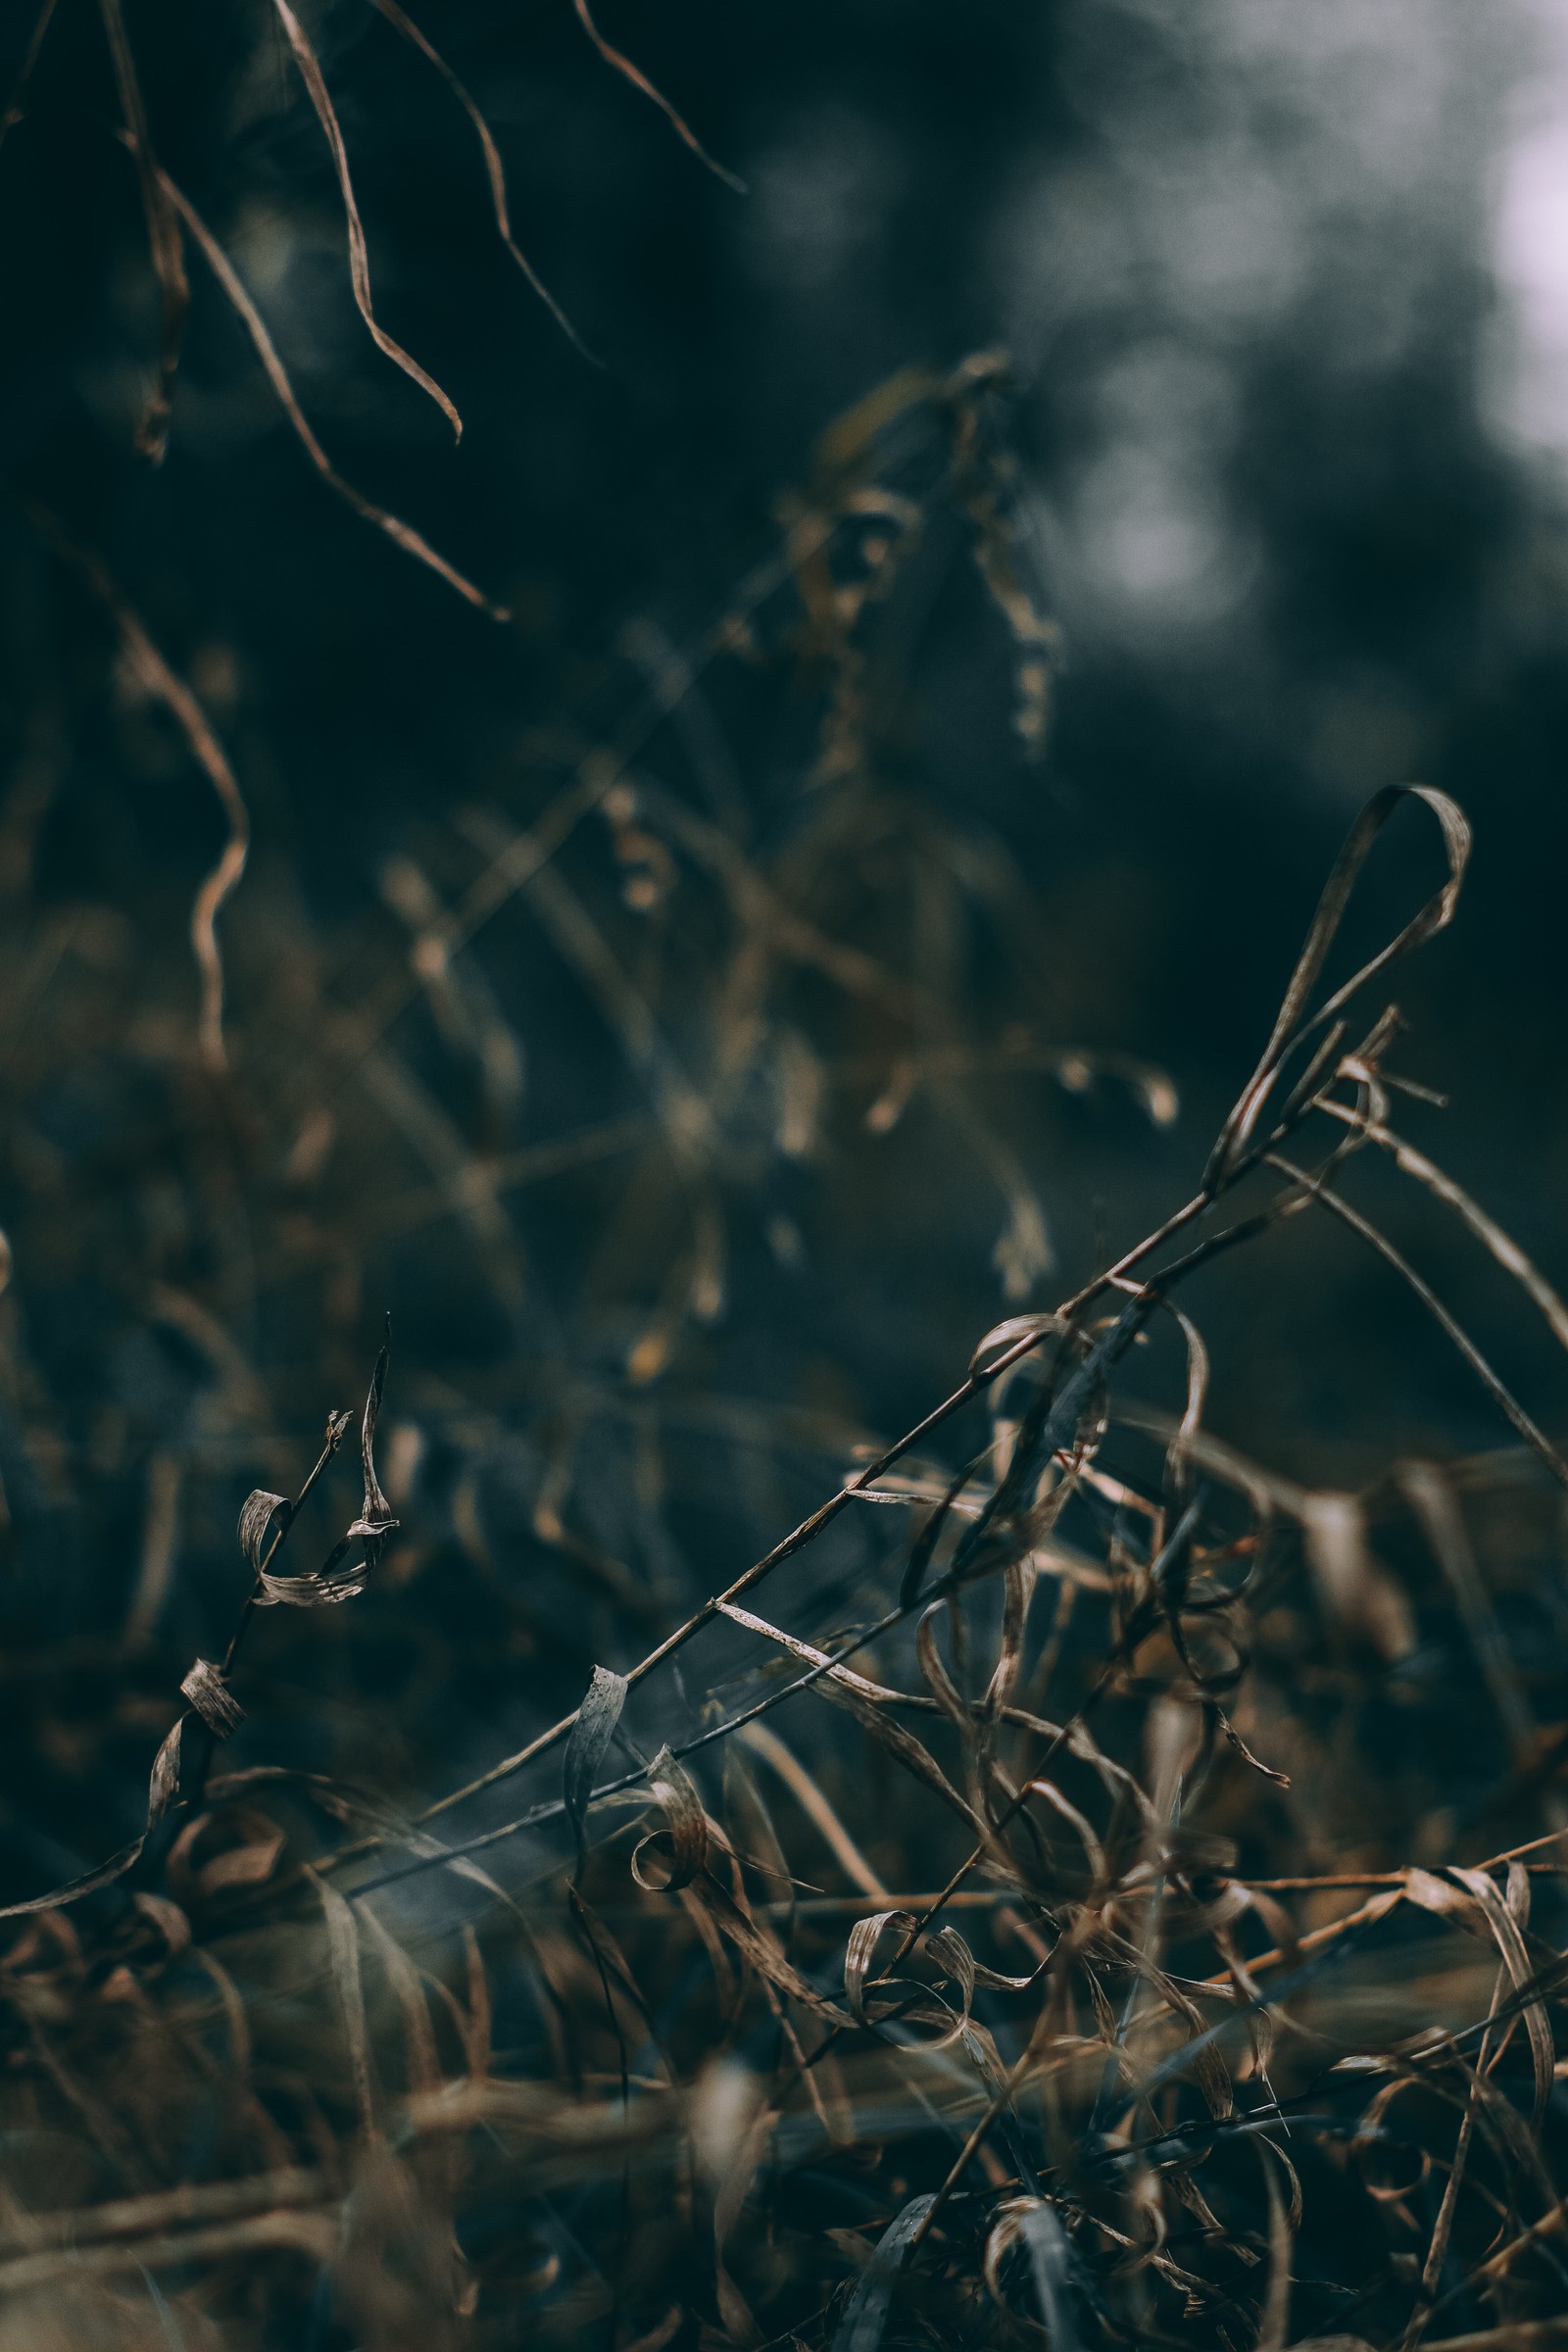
263 1521
377 1520
591 1735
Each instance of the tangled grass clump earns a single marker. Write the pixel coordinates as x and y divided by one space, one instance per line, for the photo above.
1156 1937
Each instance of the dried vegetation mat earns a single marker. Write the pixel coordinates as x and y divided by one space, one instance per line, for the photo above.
1129 1913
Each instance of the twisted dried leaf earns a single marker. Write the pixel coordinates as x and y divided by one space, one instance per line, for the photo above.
264 1522
211 1696
861 1951
1497 1923
1003 1343
671 1857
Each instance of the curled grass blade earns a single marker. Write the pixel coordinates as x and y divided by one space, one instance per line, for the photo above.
315 81
401 533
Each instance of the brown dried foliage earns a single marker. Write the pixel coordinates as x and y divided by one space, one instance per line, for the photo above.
1038 1932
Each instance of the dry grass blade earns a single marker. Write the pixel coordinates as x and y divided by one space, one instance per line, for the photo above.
168 2209
401 533
861 2327
495 171
289 2230
1432 1498
163 242
868 1700
1035 2223
161 1789
1510 1942
1274 2333
1503 1246
640 81
1497 1388
30 58
814 1805
1293 1025
1355 1589
314 82
1528 2335
375 1521
162 682
343 1961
